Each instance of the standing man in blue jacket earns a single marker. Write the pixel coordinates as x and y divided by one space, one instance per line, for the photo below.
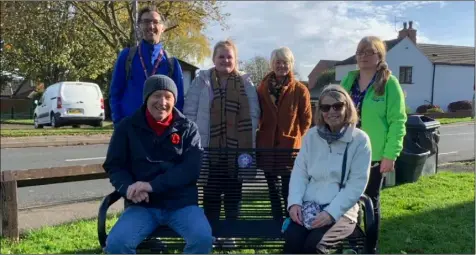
135 64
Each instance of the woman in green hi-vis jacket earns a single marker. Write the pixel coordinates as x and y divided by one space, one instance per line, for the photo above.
380 104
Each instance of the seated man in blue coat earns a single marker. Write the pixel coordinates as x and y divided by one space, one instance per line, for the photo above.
154 161
136 63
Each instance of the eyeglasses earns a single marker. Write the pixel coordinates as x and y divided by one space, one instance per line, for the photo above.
365 53
327 107
148 21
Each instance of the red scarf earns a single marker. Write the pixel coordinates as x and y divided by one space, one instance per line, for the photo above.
158 126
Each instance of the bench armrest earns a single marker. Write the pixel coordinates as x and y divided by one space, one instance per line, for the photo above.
369 221
102 215
369 217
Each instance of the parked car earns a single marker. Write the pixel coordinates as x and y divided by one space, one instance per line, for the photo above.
70 103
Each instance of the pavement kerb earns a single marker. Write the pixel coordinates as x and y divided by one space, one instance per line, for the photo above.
25 143
458 124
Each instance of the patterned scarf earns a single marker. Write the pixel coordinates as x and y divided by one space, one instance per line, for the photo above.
276 87
326 134
230 121
358 96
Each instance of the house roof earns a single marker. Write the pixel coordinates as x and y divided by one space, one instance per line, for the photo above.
448 54
329 63
437 54
351 60
187 66
320 67
15 88
10 88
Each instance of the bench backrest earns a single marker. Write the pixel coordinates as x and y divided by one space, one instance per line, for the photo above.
222 168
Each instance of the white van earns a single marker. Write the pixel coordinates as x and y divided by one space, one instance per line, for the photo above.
70 103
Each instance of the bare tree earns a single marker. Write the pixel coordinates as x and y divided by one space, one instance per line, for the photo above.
257 67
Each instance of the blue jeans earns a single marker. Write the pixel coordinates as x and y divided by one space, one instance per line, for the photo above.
137 223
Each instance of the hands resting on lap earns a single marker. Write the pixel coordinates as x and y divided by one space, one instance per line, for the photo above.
139 192
322 219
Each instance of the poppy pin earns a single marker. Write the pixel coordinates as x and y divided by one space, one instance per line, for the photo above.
175 138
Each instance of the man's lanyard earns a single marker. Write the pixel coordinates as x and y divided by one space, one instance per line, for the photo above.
157 63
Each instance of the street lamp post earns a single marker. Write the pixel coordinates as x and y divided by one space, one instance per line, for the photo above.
135 20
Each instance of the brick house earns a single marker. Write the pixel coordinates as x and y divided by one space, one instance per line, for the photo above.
322 66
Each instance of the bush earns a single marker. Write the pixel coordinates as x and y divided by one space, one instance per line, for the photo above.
423 108
460 106
325 78
428 108
435 110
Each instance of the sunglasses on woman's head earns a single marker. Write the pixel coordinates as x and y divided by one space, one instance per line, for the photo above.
327 107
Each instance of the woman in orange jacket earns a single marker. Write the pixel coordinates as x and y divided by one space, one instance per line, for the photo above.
285 117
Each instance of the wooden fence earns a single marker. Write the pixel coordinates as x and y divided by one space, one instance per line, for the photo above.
14 179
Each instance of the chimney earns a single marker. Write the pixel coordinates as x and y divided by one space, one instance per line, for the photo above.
404 32
409 32
412 32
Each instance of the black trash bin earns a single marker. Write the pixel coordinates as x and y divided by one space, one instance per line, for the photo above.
420 149
409 165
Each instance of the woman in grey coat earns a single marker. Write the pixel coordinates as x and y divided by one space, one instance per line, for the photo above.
223 102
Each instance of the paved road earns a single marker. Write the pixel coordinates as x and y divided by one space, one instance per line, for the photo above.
27 158
40 157
457 143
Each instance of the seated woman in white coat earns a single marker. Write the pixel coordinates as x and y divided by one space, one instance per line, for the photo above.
329 175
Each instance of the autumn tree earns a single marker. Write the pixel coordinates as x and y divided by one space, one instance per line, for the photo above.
50 41
46 42
185 20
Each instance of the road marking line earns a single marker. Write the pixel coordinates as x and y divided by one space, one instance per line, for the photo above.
457 134
445 153
83 159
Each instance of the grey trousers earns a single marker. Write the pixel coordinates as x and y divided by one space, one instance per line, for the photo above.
299 240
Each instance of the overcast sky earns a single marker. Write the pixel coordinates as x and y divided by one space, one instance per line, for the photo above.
316 30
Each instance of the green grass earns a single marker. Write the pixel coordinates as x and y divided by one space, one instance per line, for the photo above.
30 122
445 121
52 132
434 215
17 121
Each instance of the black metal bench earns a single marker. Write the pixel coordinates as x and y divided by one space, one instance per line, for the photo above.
256 226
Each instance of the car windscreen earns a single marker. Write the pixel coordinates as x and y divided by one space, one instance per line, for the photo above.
80 91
